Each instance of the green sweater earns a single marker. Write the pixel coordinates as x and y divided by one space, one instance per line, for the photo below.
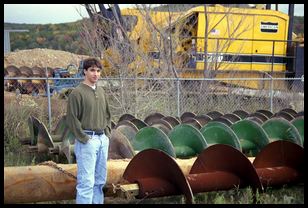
88 109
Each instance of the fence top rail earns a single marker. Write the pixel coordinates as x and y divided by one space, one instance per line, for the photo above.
162 79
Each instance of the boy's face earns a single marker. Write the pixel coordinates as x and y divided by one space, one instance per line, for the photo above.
92 74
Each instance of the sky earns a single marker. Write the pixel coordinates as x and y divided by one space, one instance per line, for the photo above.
63 13
46 13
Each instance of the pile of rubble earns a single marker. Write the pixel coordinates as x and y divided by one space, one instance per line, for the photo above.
42 58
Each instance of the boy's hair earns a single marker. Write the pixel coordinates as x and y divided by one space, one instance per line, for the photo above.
87 63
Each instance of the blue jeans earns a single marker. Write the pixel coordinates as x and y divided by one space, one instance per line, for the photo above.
91 161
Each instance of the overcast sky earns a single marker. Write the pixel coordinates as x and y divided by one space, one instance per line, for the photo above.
62 13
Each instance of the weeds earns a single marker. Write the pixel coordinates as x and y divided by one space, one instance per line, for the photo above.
17 110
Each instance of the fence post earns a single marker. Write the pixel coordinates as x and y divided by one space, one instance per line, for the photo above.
271 94
48 97
178 96
273 55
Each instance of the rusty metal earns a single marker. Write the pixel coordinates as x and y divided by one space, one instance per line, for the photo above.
225 164
301 113
138 123
192 121
6 73
267 113
40 136
280 162
283 114
55 150
219 167
126 116
54 165
113 124
254 119
45 141
232 117
163 125
34 124
26 71
186 115
39 183
31 149
61 126
67 150
291 111
213 181
26 85
13 71
33 133
274 176
214 114
222 120
152 118
241 113
172 120
129 130
260 116
119 146
38 71
28 184
157 174
203 119
127 123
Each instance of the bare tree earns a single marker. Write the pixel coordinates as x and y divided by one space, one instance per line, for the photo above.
162 44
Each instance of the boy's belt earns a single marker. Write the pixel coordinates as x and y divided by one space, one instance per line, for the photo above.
89 132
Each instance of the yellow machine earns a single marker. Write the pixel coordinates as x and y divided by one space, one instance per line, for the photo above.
212 41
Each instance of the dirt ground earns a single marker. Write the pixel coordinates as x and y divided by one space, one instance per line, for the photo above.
42 58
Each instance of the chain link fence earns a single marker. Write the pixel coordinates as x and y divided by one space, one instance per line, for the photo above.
142 96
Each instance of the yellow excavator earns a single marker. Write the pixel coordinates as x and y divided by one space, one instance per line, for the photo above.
201 42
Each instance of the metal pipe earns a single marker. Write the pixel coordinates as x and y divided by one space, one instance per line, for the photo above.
217 180
39 183
277 175
204 182
49 102
178 96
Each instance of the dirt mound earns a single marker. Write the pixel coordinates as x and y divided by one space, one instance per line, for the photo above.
42 58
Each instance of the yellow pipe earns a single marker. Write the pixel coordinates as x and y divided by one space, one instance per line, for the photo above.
40 183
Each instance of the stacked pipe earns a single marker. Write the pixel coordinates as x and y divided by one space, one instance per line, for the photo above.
183 137
58 143
218 167
188 135
218 159
27 86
